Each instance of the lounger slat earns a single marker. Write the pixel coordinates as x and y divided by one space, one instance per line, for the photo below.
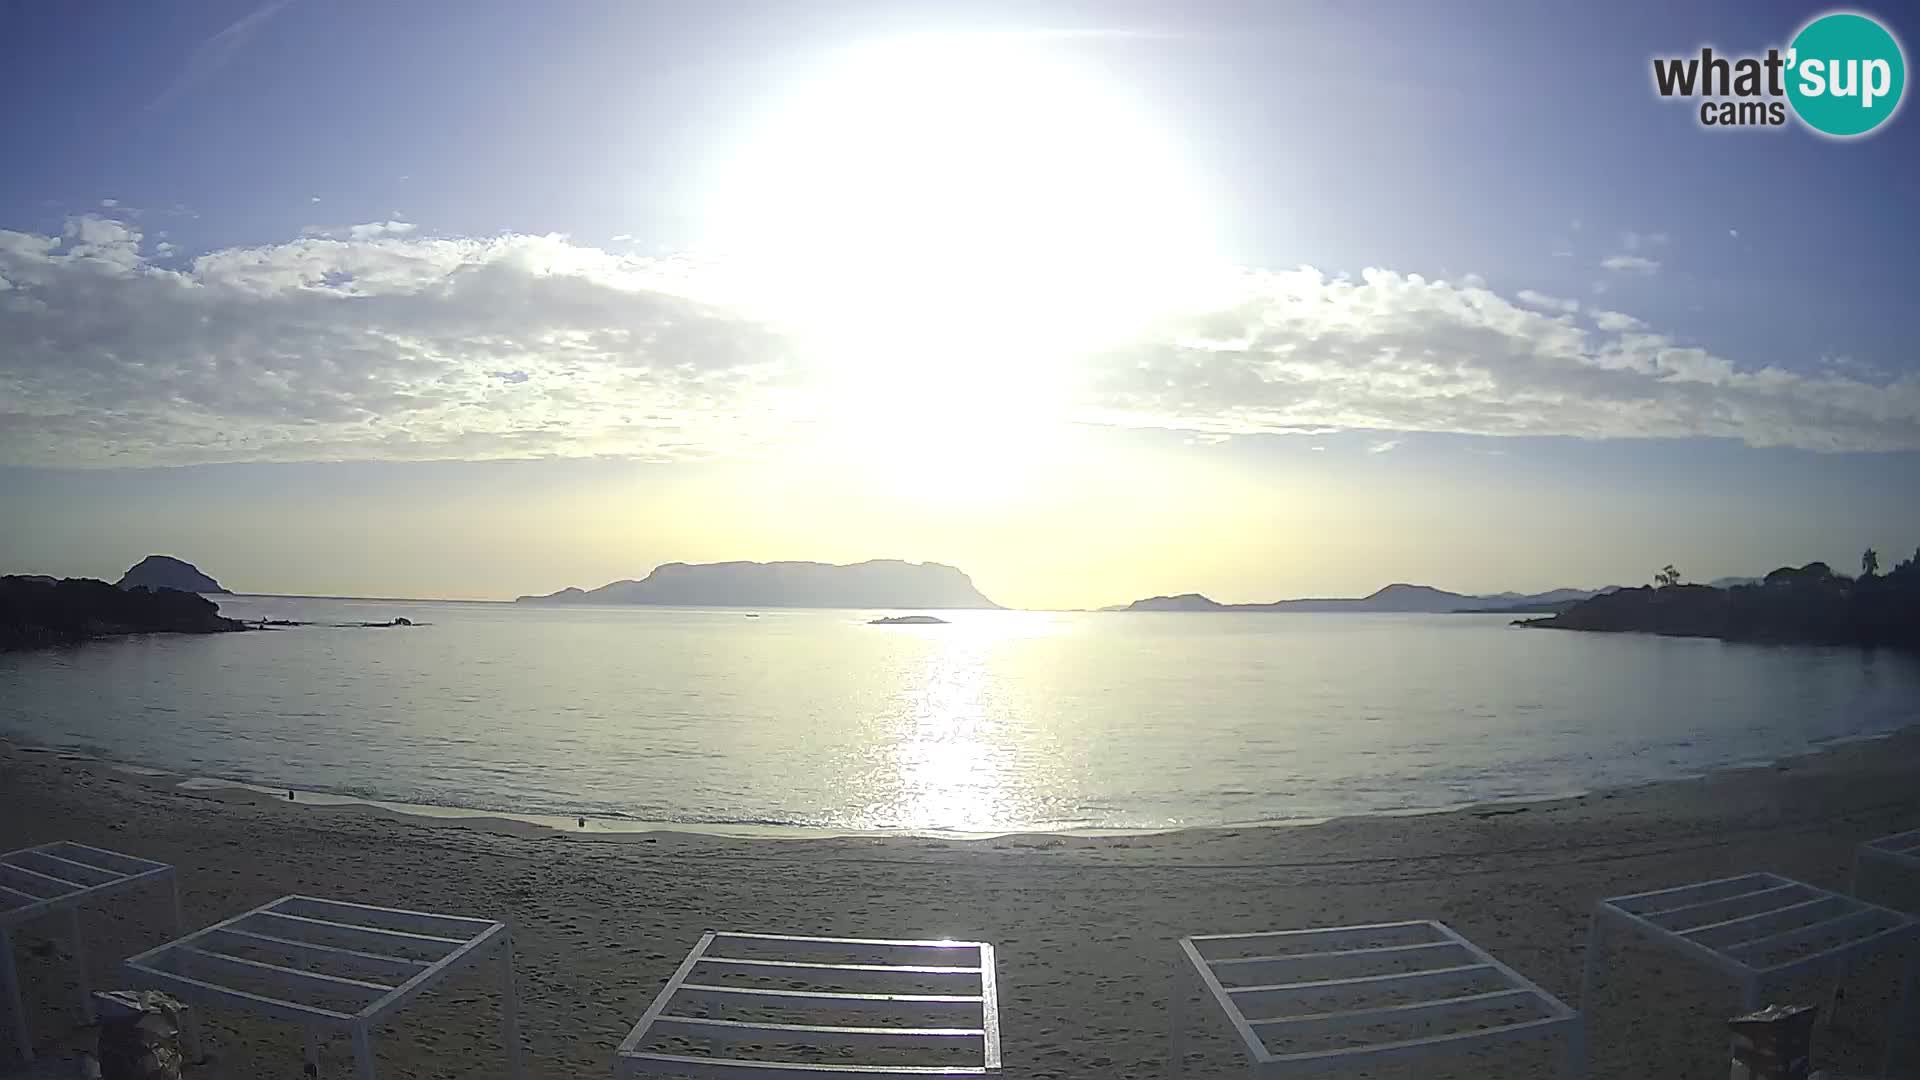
202 960
722 1068
1727 932
371 963
809 1034
803 965
356 936
67 868
456 927
1460 976
1803 934
1637 903
823 997
1707 911
1329 1021
1404 1047
199 990
111 860
30 880
1260 965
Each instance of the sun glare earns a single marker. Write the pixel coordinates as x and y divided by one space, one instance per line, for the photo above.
947 220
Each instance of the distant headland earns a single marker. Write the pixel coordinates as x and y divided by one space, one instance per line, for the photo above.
1806 605
876 583
1399 597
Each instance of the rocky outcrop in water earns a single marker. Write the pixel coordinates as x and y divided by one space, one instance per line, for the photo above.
35 613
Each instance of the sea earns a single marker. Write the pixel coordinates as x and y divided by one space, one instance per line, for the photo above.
815 720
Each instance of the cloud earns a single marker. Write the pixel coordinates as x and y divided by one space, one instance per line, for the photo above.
215 53
1616 322
382 348
1301 352
390 345
1386 447
1634 241
109 203
1630 264
1547 303
379 228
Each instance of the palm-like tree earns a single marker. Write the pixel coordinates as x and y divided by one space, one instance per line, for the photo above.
1869 563
1667 576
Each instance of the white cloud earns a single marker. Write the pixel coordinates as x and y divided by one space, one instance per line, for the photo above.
1634 241
374 229
314 199
109 203
1630 264
1386 447
623 238
1547 303
1735 233
1616 322
393 346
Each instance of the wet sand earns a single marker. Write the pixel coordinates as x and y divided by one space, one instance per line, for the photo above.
1085 926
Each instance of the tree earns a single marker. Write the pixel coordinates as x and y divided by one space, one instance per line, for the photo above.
1869 563
1667 576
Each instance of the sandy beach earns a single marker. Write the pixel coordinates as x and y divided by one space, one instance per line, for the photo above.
1085 926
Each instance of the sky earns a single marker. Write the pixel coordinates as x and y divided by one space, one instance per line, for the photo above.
1094 301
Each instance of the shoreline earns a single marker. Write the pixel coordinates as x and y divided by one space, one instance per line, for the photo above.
613 827
1084 925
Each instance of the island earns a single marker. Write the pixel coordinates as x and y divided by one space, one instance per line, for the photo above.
876 583
908 620
167 572
1805 605
37 613
1398 597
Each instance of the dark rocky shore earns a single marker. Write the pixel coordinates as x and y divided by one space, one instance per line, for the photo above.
1808 605
37 612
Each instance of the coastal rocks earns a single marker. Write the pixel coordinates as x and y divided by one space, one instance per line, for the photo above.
36 614
907 620
1808 606
167 572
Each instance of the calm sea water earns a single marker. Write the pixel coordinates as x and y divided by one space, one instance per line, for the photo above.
1000 720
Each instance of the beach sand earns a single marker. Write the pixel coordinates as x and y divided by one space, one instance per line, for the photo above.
1085 926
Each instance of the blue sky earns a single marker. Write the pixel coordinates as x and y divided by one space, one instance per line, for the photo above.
277 236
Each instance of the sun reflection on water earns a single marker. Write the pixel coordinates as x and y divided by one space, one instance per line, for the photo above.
956 737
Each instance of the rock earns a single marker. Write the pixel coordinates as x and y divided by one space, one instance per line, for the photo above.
141 1035
167 572
907 620
34 614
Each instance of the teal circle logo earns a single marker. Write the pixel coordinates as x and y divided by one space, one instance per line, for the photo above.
1845 74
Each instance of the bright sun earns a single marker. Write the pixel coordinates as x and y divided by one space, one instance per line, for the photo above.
948 220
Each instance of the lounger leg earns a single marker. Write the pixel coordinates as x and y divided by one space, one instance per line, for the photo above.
509 1009
1590 970
189 1022
363 1053
1576 1063
1902 1013
1177 1017
22 1038
313 1054
80 964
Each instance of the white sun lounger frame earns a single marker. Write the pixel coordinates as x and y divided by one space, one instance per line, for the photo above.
1901 850
61 877
347 936
1719 931
876 959
1336 947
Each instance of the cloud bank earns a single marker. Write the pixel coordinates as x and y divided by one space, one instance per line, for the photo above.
381 343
